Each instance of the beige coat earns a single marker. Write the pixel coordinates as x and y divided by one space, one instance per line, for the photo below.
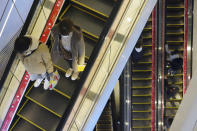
39 61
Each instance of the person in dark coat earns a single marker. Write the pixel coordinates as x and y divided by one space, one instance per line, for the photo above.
138 51
175 61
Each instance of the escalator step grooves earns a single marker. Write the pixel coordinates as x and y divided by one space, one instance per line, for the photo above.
142 85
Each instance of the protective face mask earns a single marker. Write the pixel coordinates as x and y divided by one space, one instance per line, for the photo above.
27 52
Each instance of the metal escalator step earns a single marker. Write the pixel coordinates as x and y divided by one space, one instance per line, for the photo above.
142 128
148 103
145 111
142 119
171 100
138 66
144 91
145 75
173 108
49 99
142 123
148 25
141 70
39 116
141 100
87 22
179 4
66 85
141 79
176 16
141 107
89 46
170 112
141 87
146 59
173 47
175 39
104 126
147 34
105 121
141 84
23 125
102 7
174 30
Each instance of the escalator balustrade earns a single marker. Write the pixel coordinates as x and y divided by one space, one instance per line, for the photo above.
43 109
142 84
175 41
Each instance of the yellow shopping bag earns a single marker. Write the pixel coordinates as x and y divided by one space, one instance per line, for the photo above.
81 68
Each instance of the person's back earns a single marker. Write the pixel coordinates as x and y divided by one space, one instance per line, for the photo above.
36 59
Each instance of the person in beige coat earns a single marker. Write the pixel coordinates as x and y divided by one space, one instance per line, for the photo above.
68 42
36 59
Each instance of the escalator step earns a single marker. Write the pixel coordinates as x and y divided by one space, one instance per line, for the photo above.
141 123
87 22
104 126
142 92
141 129
50 99
142 115
142 67
23 125
103 7
141 100
142 75
89 46
65 85
141 107
39 116
141 84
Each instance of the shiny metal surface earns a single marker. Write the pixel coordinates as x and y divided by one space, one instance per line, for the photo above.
160 77
189 41
125 95
110 62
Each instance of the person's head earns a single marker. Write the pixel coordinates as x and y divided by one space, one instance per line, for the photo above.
177 63
22 44
139 43
66 26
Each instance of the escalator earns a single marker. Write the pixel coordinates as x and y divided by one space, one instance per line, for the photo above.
105 121
175 40
142 85
43 110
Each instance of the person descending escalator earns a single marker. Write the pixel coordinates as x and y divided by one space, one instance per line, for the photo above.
68 43
37 61
138 51
175 61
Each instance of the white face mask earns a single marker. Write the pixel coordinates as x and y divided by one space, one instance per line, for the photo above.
27 53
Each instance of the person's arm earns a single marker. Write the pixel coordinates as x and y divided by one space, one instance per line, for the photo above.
167 49
46 58
55 35
81 52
